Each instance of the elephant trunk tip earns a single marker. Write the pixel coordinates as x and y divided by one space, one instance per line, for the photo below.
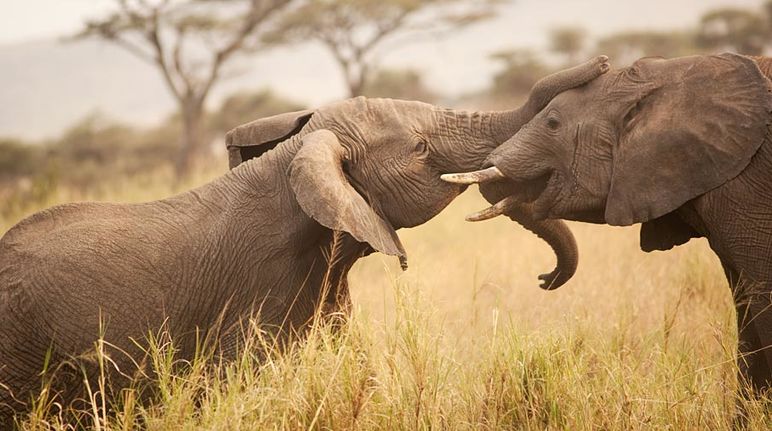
552 280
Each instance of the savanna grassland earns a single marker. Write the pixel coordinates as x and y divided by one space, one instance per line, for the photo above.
466 340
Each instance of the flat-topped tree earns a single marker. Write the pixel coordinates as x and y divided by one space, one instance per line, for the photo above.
568 41
741 30
627 46
353 30
189 42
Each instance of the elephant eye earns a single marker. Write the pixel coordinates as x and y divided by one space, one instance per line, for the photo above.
420 147
553 123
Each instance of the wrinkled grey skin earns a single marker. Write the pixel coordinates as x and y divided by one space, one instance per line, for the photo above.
255 242
679 145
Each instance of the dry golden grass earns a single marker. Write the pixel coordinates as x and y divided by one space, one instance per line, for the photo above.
466 340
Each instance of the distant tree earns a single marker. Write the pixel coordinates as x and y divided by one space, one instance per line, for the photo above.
353 30
18 159
93 140
244 107
521 70
399 84
568 42
767 10
739 30
96 150
626 47
189 42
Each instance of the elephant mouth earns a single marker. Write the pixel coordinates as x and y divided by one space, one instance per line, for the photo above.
534 188
538 192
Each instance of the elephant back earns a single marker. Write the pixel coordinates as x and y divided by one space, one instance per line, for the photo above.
251 140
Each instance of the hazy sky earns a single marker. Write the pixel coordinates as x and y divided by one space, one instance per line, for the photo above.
29 19
62 83
34 19
521 23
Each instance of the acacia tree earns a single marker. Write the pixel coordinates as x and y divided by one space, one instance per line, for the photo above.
628 46
399 84
522 68
189 42
568 41
743 31
353 30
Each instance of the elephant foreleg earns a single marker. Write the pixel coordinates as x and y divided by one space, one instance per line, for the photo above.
753 303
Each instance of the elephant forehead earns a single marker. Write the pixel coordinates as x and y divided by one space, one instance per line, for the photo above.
349 110
596 91
373 121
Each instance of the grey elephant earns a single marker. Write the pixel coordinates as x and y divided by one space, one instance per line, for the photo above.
309 193
681 146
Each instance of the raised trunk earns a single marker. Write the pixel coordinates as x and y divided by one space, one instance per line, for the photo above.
507 123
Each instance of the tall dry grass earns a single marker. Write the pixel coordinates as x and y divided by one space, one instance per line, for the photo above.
466 340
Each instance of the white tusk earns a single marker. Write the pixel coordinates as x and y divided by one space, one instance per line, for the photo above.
486 175
500 208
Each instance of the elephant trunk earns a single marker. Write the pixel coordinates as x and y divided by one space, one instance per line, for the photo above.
554 232
485 131
479 141
507 123
557 234
497 128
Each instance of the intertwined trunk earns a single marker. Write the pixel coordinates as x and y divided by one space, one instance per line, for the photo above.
504 125
480 133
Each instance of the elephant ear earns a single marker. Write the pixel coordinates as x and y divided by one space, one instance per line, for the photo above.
324 193
252 139
692 124
665 232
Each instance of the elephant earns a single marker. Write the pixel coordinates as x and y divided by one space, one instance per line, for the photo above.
308 194
681 146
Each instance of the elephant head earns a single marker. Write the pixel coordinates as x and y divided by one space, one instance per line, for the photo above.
637 143
370 166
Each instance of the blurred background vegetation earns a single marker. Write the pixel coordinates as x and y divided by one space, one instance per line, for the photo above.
190 43
464 339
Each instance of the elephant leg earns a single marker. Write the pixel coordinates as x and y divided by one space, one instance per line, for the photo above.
63 383
753 303
754 323
9 404
22 362
335 295
336 308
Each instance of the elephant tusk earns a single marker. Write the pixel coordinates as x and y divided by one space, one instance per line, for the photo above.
483 176
496 210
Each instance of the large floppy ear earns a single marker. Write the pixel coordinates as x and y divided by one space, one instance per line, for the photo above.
323 192
252 139
694 123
